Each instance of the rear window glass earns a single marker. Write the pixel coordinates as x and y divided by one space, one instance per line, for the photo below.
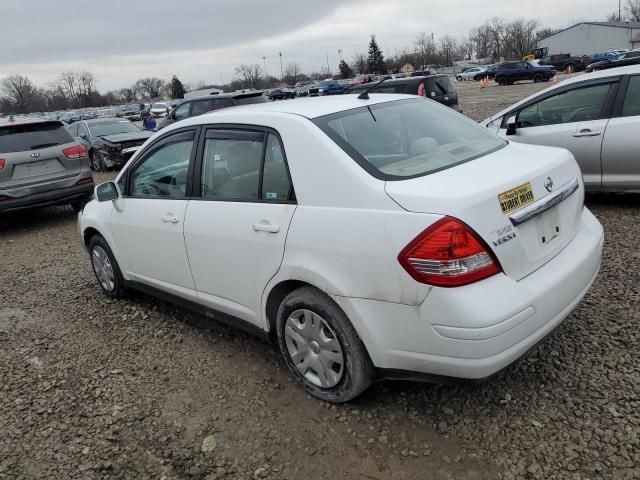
20 138
440 86
407 138
249 100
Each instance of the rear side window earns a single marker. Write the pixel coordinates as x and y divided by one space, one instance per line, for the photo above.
393 88
250 99
437 86
631 106
20 138
200 107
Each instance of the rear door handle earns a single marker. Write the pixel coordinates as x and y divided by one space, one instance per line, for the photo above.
585 132
266 227
170 218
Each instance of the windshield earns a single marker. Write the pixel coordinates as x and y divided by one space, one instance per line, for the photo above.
159 105
111 128
135 107
407 138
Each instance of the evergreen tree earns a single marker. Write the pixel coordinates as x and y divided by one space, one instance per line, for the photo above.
176 88
345 70
376 58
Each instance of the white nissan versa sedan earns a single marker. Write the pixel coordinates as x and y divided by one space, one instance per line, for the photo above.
381 237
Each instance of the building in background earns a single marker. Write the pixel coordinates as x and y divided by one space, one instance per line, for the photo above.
587 38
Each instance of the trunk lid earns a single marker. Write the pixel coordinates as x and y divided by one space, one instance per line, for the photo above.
486 192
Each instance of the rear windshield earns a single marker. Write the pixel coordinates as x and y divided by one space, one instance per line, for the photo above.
407 138
20 138
440 86
250 99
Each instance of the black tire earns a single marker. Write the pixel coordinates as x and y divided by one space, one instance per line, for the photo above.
119 289
571 68
502 81
537 78
459 78
358 371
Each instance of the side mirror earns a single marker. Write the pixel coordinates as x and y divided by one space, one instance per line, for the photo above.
511 125
107 191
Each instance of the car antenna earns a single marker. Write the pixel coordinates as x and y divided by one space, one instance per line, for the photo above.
365 95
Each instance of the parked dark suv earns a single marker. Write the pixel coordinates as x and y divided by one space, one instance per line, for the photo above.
199 105
42 164
436 87
509 72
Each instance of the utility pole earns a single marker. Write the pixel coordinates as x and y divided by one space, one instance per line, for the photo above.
281 71
266 77
619 10
340 54
221 82
328 68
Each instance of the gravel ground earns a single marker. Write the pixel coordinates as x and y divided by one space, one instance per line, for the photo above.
93 388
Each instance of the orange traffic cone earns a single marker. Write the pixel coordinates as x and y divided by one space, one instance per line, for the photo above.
567 71
554 80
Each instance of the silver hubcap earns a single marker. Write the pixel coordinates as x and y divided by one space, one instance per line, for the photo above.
314 348
103 268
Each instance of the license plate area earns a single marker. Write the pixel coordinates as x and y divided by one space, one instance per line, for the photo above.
548 226
34 169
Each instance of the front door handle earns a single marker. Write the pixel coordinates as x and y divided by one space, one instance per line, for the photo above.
169 218
586 132
266 227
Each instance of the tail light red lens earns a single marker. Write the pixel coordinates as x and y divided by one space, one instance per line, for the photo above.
448 254
76 152
1 163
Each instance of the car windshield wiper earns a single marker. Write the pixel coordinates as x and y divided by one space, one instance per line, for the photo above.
44 145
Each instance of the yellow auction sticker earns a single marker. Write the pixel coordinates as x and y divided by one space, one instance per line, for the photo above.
516 198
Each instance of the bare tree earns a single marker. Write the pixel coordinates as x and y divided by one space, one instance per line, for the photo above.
481 38
249 74
425 48
87 83
359 63
497 32
466 47
292 72
19 92
632 10
67 83
128 94
520 37
151 87
448 46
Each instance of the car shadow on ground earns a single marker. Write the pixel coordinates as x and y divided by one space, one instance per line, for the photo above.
35 219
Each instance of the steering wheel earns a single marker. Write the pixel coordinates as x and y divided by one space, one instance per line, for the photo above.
150 189
581 115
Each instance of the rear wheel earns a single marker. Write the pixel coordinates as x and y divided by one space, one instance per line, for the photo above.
571 68
321 347
106 269
537 78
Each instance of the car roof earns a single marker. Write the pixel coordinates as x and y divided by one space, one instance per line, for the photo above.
306 107
611 72
26 121
105 120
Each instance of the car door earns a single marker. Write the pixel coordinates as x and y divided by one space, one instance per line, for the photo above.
235 230
574 118
620 163
83 136
148 220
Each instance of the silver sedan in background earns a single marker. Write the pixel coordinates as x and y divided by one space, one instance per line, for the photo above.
596 116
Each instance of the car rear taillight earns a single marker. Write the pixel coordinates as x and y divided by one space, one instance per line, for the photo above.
448 254
1 163
75 152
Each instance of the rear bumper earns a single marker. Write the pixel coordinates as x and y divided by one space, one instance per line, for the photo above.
474 331
52 197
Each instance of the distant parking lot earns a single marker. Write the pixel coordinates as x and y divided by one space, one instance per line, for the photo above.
94 388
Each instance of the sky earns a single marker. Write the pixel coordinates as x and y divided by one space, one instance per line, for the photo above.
204 40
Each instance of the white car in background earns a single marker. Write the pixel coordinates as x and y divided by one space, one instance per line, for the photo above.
471 73
159 109
369 236
595 116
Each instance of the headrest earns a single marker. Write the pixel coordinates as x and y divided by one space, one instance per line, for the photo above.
243 158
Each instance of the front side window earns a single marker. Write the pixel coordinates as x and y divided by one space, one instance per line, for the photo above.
407 138
578 105
164 171
182 111
631 105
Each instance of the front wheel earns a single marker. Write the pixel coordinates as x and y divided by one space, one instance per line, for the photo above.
321 347
537 78
502 81
459 78
106 269
96 161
